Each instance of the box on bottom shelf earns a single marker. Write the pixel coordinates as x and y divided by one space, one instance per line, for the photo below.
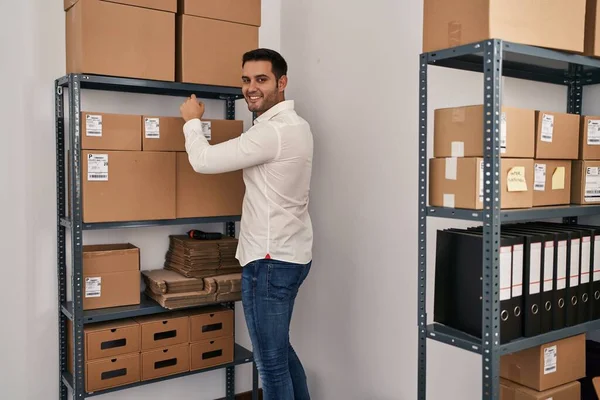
112 372
513 391
164 362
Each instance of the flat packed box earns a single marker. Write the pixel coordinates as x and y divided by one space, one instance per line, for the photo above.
112 372
128 185
210 353
592 29
163 331
163 133
547 366
103 131
458 132
589 138
556 24
107 38
165 361
240 11
585 182
111 275
552 182
557 135
226 190
459 183
513 391
227 44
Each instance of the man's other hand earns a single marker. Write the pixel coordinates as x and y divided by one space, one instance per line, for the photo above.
191 109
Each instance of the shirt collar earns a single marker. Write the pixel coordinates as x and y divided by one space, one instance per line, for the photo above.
276 109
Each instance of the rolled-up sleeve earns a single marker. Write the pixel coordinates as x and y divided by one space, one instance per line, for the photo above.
260 144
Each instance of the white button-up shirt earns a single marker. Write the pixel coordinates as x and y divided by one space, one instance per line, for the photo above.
276 157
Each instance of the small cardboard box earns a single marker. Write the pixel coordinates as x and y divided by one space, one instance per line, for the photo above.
585 182
240 11
513 391
165 361
163 133
589 138
552 182
159 331
459 183
556 136
210 323
111 275
112 372
210 353
547 366
556 24
458 132
109 339
102 131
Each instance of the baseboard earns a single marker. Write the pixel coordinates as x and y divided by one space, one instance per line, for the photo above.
246 395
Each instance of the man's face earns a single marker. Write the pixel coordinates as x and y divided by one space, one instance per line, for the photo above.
260 87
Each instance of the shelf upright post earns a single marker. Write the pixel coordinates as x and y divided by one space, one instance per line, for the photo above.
574 104
492 72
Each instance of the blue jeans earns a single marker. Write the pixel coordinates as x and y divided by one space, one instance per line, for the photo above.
269 288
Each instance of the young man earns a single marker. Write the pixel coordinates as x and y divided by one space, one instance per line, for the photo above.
275 240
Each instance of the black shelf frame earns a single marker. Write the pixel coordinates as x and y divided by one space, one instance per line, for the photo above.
73 84
493 58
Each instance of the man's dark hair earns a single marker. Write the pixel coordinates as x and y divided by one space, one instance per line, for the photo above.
278 64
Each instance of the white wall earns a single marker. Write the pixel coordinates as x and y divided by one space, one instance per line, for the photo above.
32 42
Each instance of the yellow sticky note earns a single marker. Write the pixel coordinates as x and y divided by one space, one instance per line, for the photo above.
516 180
558 178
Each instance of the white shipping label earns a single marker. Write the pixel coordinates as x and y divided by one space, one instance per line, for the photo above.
505 273
152 128
548 266
481 181
93 125
451 168
93 287
448 200
503 133
586 251
550 358
547 128
596 266
593 132
97 167
535 267
561 259
574 272
517 278
592 184
207 129
540 177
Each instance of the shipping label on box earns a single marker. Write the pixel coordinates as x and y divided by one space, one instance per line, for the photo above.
585 185
589 138
552 182
557 135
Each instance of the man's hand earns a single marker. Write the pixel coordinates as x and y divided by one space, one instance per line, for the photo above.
191 109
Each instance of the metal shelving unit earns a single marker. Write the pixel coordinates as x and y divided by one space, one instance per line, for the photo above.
72 84
494 58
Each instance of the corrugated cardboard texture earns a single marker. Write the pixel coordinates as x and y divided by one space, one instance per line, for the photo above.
163 5
564 143
585 182
112 372
170 134
589 138
169 331
111 339
111 131
117 257
592 34
140 186
240 11
527 367
223 43
226 190
211 353
513 391
210 324
165 362
458 132
555 189
114 39
555 23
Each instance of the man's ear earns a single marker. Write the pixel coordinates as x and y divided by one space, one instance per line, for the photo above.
283 83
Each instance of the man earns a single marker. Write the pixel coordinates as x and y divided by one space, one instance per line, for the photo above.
275 240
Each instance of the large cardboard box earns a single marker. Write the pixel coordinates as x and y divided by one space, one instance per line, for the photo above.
554 24
589 138
161 5
210 353
222 43
585 182
111 275
106 38
459 183
513 391
210 195
102 131
552 182
163 133
547 366
241 11
458 132
556 136
165 361
592 29
128 185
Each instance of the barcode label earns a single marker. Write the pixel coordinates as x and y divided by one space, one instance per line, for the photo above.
93 287
539 183
152 128
97 167
550 358
93 125
207 129
593 132
547 127
592 184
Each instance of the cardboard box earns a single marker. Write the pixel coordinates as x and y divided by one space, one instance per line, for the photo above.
226 190
210 353
159 331
557 24
128 185
112 372
111 274
557 135
459 183
166 361
110 339
161 5
552 182
225 49
211 323
102 131
547 366
589 138
592 33
458 132
163 133
513 391
240 11
585 182
106 38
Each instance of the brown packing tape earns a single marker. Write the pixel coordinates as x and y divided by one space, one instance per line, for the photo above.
454 33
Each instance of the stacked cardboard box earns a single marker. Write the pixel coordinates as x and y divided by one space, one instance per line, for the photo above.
586 170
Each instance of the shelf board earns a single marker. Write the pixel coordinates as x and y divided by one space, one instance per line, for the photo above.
152 223
517 214
241 356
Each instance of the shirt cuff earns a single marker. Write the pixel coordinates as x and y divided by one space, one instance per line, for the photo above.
192 130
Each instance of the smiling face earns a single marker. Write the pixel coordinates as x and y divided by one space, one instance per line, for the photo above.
261 88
